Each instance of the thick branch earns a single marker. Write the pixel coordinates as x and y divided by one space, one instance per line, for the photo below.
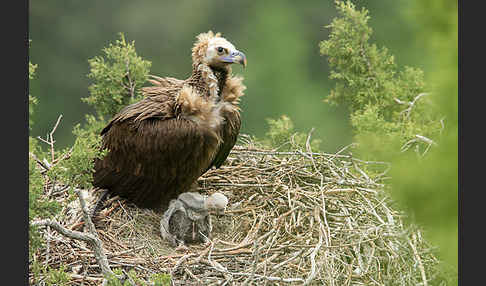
64 231
96 243
91 237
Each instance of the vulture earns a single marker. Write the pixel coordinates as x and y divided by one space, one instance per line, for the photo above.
187 218
159 146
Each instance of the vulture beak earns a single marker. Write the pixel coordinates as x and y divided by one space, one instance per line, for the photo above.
235 57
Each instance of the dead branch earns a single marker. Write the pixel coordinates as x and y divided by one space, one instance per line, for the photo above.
91 237
50 138
410 104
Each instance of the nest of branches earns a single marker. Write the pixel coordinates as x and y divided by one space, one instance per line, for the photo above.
293 218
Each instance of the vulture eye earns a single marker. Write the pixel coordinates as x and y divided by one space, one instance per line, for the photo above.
220 50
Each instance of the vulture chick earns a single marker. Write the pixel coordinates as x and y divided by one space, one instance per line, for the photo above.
187 219
159 146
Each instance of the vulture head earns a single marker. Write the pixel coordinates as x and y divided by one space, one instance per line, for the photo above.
216 52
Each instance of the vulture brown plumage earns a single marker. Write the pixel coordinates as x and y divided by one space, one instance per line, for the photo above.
159 146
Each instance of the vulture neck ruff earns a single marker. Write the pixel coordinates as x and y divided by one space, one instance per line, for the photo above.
209 81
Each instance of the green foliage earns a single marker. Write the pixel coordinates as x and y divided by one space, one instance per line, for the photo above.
114 281
72 166
32 100
38 206
32 69
94 124
161 279
430 188
279 132
36 269
32 103
117 77
50 276
390 111
383 100
57 277
156 279
76 170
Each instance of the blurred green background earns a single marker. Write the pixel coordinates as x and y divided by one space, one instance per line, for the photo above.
285 72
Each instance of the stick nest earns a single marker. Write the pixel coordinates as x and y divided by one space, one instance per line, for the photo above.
293 218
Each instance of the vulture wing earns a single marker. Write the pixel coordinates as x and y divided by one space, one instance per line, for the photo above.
229 135
180 226
149 150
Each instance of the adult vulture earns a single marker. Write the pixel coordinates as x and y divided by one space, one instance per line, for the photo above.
159 146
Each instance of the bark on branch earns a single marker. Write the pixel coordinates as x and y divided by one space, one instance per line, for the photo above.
90 237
